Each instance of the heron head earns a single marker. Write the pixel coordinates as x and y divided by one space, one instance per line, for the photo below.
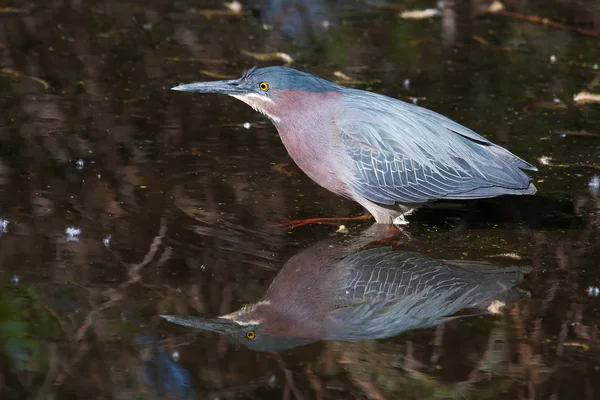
254 326
271 90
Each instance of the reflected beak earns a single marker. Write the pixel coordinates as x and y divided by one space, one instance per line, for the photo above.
231 87
219 325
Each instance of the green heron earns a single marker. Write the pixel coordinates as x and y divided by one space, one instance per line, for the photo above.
344 292
385 154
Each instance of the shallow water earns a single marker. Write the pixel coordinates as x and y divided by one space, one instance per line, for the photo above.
122 200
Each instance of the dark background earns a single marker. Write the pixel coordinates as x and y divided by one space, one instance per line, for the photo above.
121 200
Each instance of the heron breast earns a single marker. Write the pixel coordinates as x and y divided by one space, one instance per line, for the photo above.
308 132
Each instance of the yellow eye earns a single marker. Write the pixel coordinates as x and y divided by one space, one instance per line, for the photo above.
264 86
251 335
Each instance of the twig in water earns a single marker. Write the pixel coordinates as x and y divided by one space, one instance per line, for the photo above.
547 22
289 378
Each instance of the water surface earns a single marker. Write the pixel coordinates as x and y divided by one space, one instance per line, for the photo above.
121 200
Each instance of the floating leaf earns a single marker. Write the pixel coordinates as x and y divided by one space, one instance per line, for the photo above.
286 58
342 76
578 133
215 13
513 256
583 346
495 7
496 307
13 10
342 229
481 40
15 73
281 169
234 6
345 79
420 14
586 97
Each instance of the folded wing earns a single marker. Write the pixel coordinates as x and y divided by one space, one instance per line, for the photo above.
403 153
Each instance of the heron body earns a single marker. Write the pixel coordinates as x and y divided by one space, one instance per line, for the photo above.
388 155
333 292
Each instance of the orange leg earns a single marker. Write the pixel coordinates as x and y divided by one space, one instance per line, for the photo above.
295 223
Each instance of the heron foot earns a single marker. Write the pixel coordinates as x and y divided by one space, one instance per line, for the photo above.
401 219
391 237
295 223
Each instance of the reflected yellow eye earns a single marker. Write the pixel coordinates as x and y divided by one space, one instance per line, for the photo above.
264 86
251 335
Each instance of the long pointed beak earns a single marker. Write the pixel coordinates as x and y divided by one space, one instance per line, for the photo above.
231 87
219 325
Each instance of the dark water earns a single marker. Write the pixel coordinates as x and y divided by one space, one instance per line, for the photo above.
122 200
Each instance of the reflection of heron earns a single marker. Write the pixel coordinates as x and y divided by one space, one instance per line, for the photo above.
335 292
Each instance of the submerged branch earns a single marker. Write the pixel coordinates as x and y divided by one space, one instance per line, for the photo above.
545 21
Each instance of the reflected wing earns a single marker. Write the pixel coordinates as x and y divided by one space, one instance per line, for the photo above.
385 284
382 274
403 153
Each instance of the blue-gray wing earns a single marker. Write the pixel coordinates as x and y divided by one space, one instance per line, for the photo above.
403 153
383 274
390 290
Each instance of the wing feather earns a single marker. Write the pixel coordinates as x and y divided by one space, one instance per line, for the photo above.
403 153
